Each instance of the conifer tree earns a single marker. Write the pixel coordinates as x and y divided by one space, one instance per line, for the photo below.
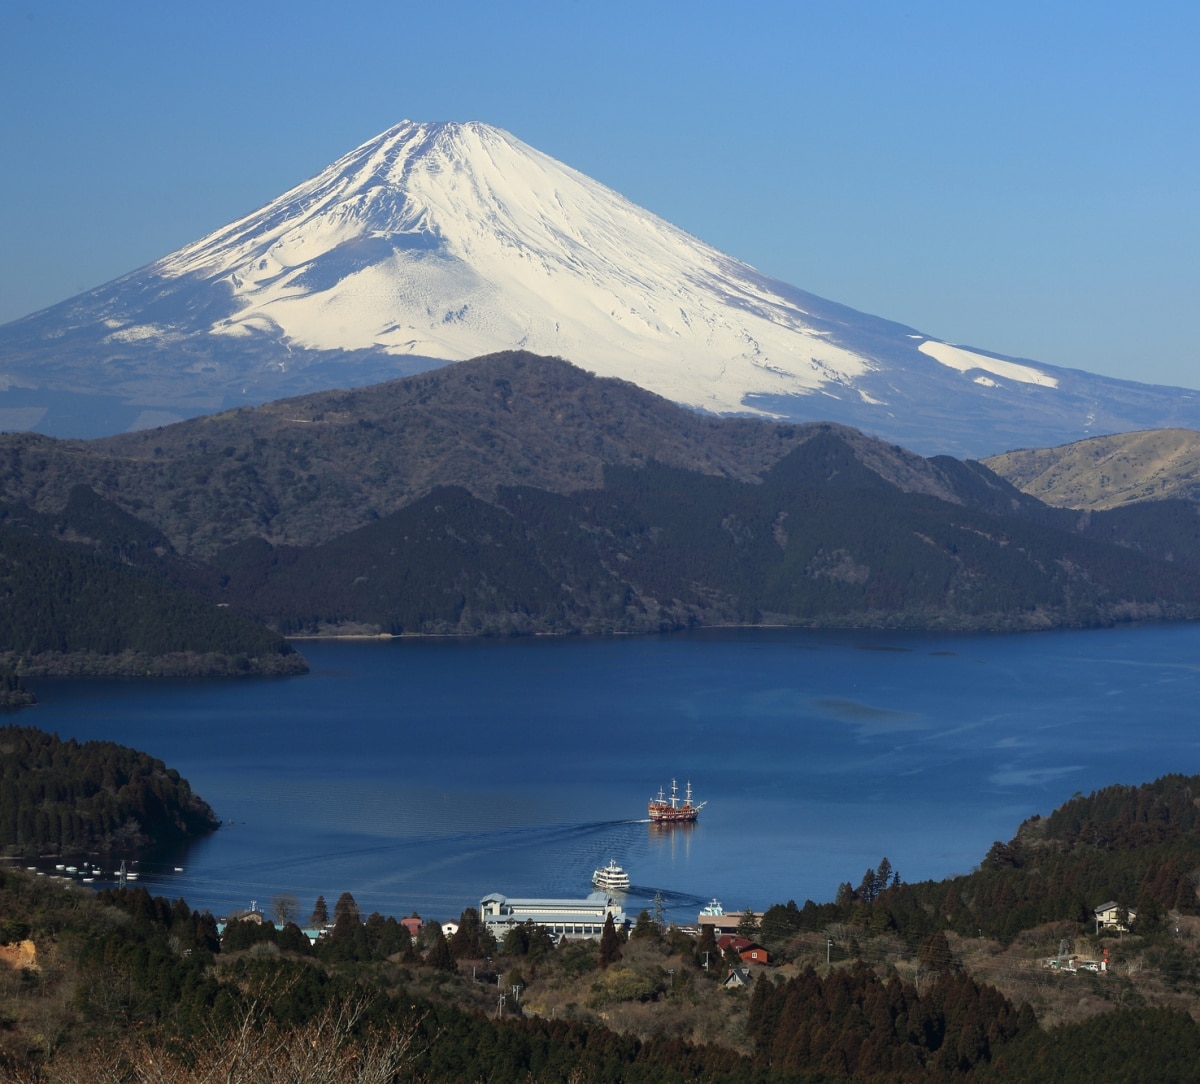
747 925
610 943
439 956
643 928
346 905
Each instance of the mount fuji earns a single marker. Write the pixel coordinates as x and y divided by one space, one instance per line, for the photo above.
435 243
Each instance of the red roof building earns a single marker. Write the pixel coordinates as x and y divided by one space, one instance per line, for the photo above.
750 951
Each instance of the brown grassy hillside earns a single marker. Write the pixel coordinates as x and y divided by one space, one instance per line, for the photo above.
1108 472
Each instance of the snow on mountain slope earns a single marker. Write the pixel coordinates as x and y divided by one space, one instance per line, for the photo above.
966 361
434 243
450 241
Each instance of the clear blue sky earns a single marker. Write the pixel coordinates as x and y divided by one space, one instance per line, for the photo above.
1021 177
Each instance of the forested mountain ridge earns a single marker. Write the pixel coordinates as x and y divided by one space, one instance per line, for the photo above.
518 494
93 590
820 540
1139 845
303 471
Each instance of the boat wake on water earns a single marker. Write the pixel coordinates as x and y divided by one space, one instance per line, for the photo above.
502 838
394 864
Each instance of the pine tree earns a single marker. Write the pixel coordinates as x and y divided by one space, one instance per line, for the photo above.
643 928
439 956
610 943
935 954
345 905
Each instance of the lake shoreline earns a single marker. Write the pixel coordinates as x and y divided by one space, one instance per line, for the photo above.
425 772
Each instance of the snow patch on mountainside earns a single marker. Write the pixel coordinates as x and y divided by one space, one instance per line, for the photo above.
967 361
450 241
138 332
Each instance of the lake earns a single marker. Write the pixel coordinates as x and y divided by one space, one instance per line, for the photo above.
421 775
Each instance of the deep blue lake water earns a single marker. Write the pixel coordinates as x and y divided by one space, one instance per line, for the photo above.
421 775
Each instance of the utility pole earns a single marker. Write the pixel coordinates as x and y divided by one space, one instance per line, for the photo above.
828 951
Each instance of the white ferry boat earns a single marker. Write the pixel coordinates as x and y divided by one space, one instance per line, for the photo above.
611 878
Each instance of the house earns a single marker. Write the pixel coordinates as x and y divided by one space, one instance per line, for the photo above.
737 978
252 915
750 951
572 919
449 929
1112 916
413 925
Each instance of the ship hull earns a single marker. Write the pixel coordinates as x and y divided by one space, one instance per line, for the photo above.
661 815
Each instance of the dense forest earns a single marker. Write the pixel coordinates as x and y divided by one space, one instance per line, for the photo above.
118 985
66 797
820 540
94 590
519 495
1137 845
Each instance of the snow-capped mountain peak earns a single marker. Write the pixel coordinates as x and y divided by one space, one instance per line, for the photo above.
438 242
453 240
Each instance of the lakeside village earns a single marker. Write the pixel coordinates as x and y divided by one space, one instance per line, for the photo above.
501 921
724 940
506 918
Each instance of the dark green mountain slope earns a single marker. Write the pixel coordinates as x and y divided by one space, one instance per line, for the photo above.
822 539
1168 529
450 562
1137 845
519 494
84 606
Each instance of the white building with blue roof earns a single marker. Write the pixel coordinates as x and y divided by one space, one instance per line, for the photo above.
572 919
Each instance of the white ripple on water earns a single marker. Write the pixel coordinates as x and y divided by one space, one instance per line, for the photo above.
389 875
